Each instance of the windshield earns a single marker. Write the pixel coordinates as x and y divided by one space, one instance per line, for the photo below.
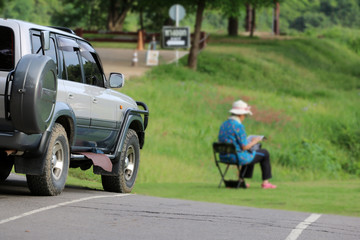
6 49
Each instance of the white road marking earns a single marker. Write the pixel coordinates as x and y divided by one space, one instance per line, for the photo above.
295 233
58 205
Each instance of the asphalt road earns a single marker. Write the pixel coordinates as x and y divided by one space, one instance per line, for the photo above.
120 60
80 213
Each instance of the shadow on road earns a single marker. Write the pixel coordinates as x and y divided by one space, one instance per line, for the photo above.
16 185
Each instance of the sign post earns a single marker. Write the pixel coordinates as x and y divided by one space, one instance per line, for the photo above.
176 13
176 37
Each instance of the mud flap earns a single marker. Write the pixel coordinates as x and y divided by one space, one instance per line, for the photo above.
99 160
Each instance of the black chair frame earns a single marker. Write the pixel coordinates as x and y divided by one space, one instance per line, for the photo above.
228 148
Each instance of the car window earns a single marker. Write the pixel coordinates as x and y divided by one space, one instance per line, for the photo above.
70 49
92 72
6 49
36 47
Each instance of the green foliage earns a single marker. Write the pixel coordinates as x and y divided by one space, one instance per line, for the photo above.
307 155
307 14
81 14
37 11
347 137
346 36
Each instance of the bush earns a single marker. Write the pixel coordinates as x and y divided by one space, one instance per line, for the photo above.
347 137
307 155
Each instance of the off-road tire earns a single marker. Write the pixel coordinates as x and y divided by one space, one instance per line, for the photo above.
129 164
6 164
57 159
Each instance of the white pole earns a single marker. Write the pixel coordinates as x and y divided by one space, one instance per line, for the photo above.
177 14
177 25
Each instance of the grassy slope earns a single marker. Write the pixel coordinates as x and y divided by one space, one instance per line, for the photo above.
305 95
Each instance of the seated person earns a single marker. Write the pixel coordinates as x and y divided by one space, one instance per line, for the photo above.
233 131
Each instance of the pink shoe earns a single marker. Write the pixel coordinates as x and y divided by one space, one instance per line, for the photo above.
268 185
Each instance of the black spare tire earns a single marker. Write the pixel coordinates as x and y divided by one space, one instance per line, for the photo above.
33 94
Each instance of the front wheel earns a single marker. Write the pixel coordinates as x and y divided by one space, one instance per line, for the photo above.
129 160
52 181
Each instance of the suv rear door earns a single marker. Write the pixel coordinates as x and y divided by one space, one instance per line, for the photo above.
9 55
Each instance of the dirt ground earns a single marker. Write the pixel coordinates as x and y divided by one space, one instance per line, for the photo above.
120 60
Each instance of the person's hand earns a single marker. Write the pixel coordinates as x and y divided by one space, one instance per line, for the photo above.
256 140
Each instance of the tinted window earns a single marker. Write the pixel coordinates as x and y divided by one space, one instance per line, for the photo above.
92 72
6 49
36 47
70 50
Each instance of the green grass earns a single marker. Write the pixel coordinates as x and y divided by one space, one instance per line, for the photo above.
305 94
325 197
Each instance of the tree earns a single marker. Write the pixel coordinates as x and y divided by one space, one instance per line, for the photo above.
192 60
154 16
198 6
81 14
37 11
276 17
252 5
98 14
117 11
231 9
2 3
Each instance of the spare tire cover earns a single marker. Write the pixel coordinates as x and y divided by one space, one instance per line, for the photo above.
33 94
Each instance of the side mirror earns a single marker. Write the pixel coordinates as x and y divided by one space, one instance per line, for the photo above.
45 40
117 80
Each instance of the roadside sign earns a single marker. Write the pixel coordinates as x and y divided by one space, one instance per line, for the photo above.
177 12
176 37
152 58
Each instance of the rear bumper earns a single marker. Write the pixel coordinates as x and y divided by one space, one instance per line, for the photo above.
19 141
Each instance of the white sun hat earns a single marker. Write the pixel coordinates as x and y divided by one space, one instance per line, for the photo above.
240 107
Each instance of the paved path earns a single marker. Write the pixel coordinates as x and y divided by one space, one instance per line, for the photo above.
80 213
120 60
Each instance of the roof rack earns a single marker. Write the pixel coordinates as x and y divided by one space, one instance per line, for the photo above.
65 29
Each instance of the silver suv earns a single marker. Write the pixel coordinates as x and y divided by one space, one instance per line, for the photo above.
58 110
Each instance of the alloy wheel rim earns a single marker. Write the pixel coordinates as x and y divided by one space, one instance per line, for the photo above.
57 160
129 163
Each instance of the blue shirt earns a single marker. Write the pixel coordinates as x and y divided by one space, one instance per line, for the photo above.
232 131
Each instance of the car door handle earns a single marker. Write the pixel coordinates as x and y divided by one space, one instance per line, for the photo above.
95 100
71 96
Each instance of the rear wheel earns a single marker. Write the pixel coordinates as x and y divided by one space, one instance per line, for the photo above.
129 164
57 158
6 164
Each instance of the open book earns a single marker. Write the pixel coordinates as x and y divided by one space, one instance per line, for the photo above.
258 145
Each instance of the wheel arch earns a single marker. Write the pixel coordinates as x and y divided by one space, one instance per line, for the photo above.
136 124
65 116
33 162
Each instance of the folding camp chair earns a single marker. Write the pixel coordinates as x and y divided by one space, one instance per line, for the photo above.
228 148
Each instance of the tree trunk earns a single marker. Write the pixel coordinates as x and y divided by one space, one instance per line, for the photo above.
192 60
117 14
248 18
233 26
276 22
253 23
